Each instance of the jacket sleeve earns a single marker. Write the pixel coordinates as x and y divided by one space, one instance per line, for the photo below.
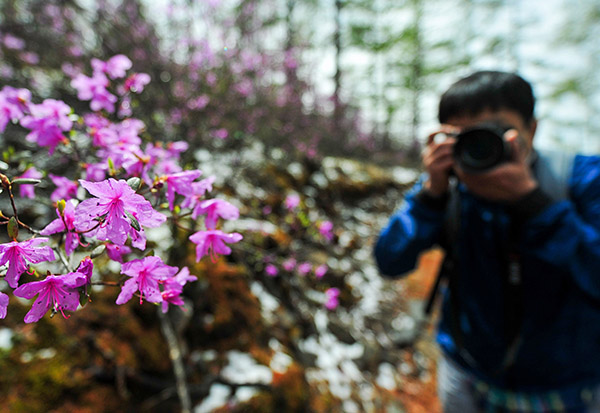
566 234
414 228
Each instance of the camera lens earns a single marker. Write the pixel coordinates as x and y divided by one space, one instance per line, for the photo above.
480 149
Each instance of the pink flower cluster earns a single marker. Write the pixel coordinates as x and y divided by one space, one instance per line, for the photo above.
116 213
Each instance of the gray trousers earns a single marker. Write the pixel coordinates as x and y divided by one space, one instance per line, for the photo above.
456 392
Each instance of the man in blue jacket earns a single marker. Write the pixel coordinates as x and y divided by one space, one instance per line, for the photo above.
520 326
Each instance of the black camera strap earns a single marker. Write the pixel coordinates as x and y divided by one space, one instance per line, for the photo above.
513 297
449 272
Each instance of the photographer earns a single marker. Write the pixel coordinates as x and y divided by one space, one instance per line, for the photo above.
520 324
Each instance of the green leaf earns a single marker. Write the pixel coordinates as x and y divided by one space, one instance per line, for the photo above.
134 222
134 183
84 298
26 181
99 250
13 228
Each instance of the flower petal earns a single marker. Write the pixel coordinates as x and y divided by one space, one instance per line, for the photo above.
127 291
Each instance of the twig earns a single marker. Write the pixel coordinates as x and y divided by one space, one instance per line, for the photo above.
63 259
177 360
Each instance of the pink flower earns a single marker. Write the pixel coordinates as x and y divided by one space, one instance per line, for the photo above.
47 123
292 201
145 275
180 183
332 295
13 104
136 82
30 58
271 270
289 264
173 287
199 103
116 252
56 291
215 208
65 188
325 229
115 67
18 254
13 42
213 242
96 172
27 190
304 268
320 271
197 191
94 89
86 266
221 133
115 212
175 149
65 223
3 304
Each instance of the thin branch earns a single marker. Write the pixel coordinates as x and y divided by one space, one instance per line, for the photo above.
176 358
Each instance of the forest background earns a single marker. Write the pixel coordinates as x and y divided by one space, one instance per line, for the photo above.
310 115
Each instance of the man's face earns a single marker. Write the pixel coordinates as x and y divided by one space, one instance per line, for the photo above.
503 117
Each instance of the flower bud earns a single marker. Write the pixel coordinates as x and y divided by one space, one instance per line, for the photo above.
61 206
5 181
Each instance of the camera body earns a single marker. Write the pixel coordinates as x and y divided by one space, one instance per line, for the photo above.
481 148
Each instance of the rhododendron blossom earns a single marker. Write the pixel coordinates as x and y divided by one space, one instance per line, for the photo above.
136 82
197 191
289 264
58 292
215 208
271 270
65 223
145 275
115 212
292 201
65 188
19 254
115 67
13 104
94 90
304 268
332 295
213 242
173 287
3 305
321 270
326 230
179 183
116 252
47 123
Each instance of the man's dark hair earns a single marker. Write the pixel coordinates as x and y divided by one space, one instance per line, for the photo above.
487 90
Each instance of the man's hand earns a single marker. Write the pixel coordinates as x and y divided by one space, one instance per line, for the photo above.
438 162
506 183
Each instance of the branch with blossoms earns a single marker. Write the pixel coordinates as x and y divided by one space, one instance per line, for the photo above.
117 188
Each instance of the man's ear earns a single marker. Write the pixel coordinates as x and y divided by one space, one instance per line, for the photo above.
532 127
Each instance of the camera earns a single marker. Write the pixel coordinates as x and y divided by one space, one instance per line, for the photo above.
482 147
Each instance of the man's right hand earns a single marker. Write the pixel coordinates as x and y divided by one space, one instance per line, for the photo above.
438 161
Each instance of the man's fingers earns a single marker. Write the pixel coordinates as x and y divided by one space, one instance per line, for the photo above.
512 137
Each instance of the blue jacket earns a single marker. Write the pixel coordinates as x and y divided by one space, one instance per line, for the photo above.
559 246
